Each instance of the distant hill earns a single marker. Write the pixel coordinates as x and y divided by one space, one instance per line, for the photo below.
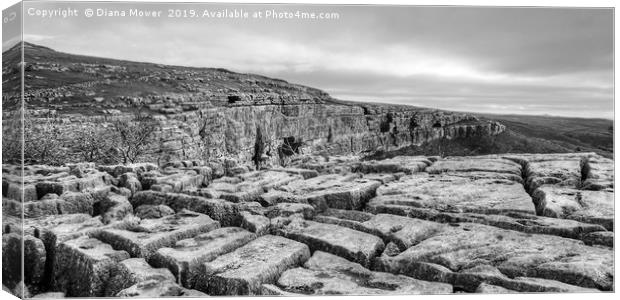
68 82
525 134
577 134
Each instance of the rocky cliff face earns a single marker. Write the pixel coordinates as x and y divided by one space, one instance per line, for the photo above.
329 128
212 112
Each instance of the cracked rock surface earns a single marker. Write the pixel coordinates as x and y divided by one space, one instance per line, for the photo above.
325 225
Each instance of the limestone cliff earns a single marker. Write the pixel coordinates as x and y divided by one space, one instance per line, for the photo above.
214 112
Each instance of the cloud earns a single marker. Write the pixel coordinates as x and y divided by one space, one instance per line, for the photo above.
7 43
526 60
38 38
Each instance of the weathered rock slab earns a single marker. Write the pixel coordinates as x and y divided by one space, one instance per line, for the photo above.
144 239
447 193
12 253
398 164
508 253
527 223
599 174
605 238
132 271
465 164
565 173
327 274
243 271
403 231
334 191
153 288
114 207
351 244
186 256
305 173
595 207
220 210
148 211
257 224
84 266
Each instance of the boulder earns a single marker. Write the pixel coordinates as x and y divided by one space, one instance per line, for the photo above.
76 203
34 258
84 266
131 182
19 192
114 207
12 253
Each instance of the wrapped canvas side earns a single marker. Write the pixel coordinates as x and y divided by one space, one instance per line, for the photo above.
12 153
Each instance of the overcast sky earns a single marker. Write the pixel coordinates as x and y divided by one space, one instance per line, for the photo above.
500 60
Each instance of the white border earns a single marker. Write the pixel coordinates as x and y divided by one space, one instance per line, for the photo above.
547 3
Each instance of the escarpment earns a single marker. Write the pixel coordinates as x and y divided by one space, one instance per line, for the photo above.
203 113
309 128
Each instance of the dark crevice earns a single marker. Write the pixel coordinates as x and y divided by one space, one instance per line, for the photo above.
585 172
525 179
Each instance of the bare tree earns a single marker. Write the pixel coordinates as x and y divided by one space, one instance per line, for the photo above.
43 141
96 144
134 136
259 148
12 140
289 147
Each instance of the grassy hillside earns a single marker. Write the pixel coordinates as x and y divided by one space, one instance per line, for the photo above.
69 83
525 134
578 134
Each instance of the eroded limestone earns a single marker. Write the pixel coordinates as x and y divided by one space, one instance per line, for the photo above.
186 256
354 245
145 238
243 271
447 193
